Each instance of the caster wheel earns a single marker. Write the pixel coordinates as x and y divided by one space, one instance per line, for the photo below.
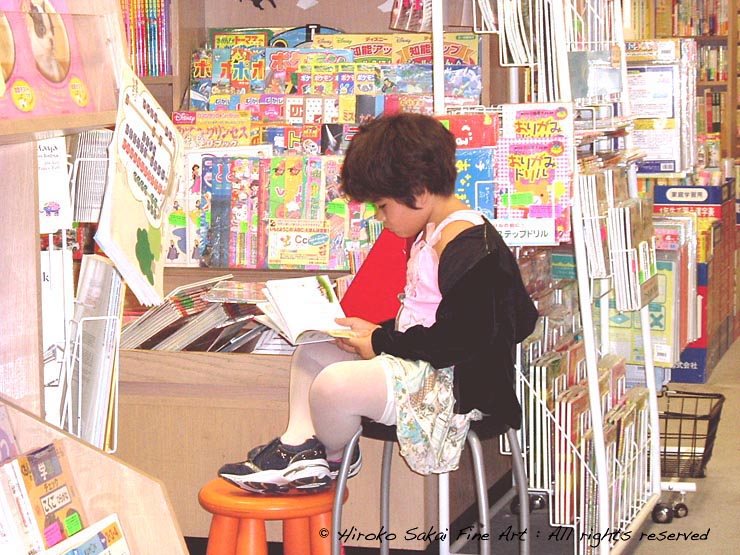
662 513
537 502
680 510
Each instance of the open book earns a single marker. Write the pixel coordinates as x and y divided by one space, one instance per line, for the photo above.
303 309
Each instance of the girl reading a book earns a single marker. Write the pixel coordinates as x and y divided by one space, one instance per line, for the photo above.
448 354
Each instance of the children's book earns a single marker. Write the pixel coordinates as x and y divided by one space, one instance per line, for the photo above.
104 537
303 309
47 505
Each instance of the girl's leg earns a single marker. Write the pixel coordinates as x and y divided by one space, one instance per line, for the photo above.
308 360
340 395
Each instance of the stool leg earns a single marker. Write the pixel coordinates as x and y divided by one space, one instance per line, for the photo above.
520 479
443 509
385 495
222 535
336 513
252 538
296 536
476 451
320 542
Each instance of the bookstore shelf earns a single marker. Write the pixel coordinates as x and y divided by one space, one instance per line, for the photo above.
107 484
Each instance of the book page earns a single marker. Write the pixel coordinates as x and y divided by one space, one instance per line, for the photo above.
305 304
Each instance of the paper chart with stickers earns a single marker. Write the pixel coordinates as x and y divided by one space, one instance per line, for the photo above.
534 165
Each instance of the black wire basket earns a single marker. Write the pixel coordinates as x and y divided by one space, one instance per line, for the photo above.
688 428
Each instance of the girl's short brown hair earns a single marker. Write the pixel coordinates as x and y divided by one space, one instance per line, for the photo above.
399 156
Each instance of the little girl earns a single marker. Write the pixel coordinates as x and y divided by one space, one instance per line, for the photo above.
445 360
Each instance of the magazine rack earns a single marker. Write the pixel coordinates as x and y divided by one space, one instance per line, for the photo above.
618 496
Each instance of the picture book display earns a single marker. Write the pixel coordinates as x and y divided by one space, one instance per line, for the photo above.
40 61
303 310
144 160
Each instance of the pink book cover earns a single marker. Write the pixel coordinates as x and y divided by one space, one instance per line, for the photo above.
40 61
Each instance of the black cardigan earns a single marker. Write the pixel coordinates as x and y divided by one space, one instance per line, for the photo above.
484 312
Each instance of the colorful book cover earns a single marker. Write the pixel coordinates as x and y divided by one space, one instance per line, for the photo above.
176 237
40 61
104 537
243 204
272 108
475 178
324 79
201 74
221 72
472 130
365 79
310 139
45 491
365 48
335 137
294 109
221 185
257 69
347 108
533 173
416 48
228 38
369 107
213 129
282 65
346 79
313 207
298 243
331 110
240 69
463 81
404 79
313 109
204 241
144 163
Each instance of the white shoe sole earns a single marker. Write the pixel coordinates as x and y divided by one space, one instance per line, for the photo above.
300 474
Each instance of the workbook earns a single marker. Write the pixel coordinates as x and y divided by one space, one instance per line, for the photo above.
303 309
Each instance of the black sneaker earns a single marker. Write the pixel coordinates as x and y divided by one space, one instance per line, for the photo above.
276 468
354 466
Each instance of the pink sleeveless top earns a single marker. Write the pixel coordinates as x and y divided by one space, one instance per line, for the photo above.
421 294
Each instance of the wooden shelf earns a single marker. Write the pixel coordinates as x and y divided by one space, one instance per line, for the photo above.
106 485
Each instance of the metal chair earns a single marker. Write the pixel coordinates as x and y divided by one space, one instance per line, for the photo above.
478 430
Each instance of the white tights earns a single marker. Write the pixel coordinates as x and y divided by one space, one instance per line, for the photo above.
330 390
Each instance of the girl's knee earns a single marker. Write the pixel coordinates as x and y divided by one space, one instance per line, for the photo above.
332 382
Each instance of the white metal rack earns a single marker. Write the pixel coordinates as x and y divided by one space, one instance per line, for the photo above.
596 27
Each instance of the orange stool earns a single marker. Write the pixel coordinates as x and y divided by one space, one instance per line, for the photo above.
238 523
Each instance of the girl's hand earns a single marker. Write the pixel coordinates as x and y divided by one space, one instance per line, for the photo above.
361 343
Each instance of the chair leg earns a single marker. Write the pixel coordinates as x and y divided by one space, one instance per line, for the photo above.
336 513
520 481
484 517
443 511
385 496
